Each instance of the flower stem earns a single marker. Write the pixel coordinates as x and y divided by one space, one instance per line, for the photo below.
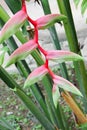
23 6
51 73
42 50
32 21
36 35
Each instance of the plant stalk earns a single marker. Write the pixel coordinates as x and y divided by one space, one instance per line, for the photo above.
25 99
64 6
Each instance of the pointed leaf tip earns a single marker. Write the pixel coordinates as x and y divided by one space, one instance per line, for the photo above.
12 25
62 56
36 75
66 85
22 52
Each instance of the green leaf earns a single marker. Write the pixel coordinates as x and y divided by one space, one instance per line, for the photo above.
28 0
76 2
83 126
2 58
5 124
2 54
16 3
83 6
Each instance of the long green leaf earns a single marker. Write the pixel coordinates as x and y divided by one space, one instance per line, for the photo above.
5 125
76 2
2 58
80 70
26 100
15 3
83 6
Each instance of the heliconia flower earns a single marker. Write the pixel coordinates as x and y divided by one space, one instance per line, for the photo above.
55 94
12 25
49 20
22 52
36 75
62 56
66 85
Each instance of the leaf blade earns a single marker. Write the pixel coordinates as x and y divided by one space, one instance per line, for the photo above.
76 2
83 6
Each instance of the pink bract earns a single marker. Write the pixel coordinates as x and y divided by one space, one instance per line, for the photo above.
62 56
12 25
45 20
65 84
22 52
36 75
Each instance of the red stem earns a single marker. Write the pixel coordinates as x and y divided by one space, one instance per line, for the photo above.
23 1
34 23
29 19
50 71
36 35
42 50
24 6
46 64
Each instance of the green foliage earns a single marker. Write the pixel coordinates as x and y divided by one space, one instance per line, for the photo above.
15 5
2 54
4 124
44 107
76 2
83 5
83 126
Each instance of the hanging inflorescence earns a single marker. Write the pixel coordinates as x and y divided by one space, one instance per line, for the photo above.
24 50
